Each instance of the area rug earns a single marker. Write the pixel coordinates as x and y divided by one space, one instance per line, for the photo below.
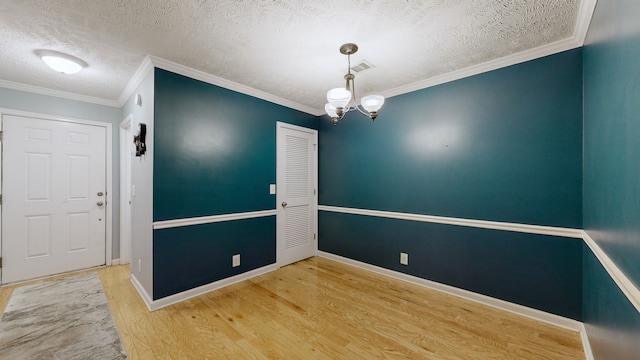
62 319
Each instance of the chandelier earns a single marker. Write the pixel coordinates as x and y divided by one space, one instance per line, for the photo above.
343 100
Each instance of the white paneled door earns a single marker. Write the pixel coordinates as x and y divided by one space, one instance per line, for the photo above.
296 193
54 197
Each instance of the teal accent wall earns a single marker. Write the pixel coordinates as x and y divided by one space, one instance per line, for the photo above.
611 321
197 255
214 153
502 146
215 149
612 173
538 271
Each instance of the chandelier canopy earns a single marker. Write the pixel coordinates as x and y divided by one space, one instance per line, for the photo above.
343 100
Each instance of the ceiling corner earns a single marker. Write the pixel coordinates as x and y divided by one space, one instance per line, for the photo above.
583 20
136 80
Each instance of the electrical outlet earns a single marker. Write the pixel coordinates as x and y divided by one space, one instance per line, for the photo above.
404 258
139 265
235 260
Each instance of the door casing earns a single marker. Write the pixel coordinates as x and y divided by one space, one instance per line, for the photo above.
126 141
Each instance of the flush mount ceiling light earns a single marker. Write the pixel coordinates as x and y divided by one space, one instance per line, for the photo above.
61 62
343 100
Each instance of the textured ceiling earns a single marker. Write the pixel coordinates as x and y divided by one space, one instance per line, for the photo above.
286 48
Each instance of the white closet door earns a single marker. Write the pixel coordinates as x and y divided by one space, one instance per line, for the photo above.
296 193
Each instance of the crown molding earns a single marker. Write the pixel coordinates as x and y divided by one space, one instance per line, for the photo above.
585 13
583 20
57 93
227 84
135 81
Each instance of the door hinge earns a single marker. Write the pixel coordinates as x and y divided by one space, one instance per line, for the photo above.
0 261
1 135
314 236
0 199
314 191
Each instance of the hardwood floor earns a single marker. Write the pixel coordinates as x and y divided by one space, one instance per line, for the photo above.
321 309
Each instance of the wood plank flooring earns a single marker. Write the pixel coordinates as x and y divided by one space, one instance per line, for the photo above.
321 309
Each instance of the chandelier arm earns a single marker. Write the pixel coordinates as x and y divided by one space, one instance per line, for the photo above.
353 103
363 112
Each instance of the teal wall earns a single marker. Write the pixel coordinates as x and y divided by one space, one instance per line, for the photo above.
611 321
612 174
502 146
538 271
215 153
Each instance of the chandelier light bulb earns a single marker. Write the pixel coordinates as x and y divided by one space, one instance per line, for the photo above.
339 97
331 110
372 103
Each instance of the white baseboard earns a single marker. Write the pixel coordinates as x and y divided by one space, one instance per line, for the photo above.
148 300
552 319
586 345
521 310
153 305
115 262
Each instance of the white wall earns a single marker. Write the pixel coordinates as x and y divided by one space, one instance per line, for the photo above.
142 179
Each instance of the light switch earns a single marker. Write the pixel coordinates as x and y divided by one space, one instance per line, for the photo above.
272 189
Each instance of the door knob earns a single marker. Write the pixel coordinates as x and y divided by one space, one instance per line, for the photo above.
100 193
284 204
100 203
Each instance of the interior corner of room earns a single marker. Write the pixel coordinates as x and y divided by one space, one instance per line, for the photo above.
515 186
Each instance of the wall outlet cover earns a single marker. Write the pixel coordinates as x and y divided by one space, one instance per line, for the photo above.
404 258
235 260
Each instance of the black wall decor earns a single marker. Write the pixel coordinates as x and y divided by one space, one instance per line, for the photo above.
139 140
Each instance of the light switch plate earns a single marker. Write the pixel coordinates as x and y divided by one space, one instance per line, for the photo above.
272 189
